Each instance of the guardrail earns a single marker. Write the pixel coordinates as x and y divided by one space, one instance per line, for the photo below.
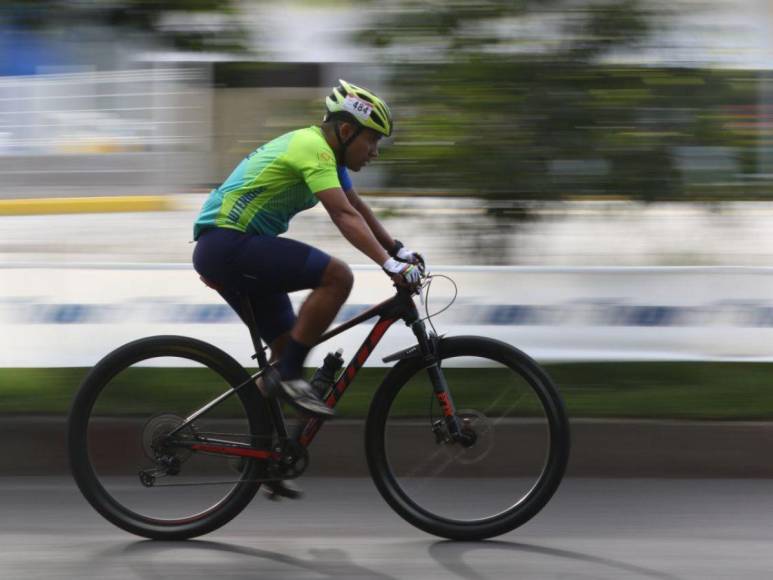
71 315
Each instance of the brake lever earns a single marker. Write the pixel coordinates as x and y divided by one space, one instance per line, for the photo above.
422 264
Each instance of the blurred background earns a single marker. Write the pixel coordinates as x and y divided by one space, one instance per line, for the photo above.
560 132
596 175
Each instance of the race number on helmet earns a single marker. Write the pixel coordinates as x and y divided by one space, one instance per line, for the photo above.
366 108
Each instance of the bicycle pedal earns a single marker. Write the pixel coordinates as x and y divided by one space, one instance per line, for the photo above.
276 490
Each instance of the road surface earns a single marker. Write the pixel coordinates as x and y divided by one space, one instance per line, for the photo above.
593 528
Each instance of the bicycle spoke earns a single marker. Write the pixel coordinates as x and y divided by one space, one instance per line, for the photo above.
139 419
489 477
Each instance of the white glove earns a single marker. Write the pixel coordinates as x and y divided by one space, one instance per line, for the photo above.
400 252
406 255
410 273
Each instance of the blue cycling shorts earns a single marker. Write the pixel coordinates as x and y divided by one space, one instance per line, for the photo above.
264 267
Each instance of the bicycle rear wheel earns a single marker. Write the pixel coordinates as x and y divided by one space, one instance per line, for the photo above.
119 428
498 483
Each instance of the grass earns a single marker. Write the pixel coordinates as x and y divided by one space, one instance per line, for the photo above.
677 390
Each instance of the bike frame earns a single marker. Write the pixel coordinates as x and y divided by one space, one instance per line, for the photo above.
400 306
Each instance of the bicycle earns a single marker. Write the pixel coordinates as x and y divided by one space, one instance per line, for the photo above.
465 438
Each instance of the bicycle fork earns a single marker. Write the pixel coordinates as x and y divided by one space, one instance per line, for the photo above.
429 346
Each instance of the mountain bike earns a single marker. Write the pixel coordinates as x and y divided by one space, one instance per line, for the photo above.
465 438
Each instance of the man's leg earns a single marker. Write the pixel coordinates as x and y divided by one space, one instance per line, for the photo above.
315 316
268 268
278 345
321 306
319 309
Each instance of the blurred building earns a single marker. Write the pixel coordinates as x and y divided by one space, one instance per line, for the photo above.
82 113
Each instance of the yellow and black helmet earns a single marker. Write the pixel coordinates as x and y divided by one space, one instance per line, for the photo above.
362 105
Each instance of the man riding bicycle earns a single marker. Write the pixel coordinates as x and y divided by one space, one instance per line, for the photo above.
239 250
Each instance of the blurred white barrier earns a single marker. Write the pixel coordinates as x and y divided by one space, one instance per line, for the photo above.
138 128
71 316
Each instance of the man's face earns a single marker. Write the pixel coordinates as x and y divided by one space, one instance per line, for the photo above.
363 149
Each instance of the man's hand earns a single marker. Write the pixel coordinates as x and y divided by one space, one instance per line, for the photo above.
403 273
403 254
406 255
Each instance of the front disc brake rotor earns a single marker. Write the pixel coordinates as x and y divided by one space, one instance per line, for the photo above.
480 427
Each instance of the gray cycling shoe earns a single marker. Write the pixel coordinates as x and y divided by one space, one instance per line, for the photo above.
276 490
299 393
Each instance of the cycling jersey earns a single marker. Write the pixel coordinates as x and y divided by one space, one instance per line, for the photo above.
272 184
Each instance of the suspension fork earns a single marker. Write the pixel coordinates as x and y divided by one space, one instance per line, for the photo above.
431 356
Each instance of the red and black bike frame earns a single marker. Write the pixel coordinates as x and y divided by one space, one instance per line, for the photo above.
399 307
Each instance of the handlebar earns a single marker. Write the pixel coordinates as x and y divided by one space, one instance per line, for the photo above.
415 289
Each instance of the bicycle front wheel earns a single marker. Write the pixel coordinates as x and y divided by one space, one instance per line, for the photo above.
515 417
129 467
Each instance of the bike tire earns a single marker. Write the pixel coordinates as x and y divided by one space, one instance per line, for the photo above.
397 493
83 470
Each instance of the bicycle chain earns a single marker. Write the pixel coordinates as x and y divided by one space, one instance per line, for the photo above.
294 466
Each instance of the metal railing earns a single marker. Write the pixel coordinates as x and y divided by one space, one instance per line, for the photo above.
128 129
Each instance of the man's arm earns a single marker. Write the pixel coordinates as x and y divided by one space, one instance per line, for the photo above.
354 224
387 241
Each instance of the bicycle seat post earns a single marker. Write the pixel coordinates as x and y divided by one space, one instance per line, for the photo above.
249 318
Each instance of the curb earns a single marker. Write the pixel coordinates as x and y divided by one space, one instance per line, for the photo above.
63 205
614 449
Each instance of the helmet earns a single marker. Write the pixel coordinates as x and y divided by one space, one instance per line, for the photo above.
360 104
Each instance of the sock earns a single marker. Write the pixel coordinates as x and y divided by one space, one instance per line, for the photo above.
291 361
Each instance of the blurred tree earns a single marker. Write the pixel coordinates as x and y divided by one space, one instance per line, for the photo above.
455 29
211 32
510 98
182 24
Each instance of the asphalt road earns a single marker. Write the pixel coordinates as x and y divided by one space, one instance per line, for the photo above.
593 528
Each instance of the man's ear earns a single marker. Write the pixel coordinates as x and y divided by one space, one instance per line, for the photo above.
347 130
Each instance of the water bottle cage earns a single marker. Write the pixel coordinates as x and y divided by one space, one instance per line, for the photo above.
325 376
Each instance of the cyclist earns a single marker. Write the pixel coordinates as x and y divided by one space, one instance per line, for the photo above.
239 249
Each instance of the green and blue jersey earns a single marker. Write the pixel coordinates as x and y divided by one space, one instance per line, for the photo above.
272 184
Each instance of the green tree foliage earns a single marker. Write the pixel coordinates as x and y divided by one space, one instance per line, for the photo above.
145 16
466 28
557 122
